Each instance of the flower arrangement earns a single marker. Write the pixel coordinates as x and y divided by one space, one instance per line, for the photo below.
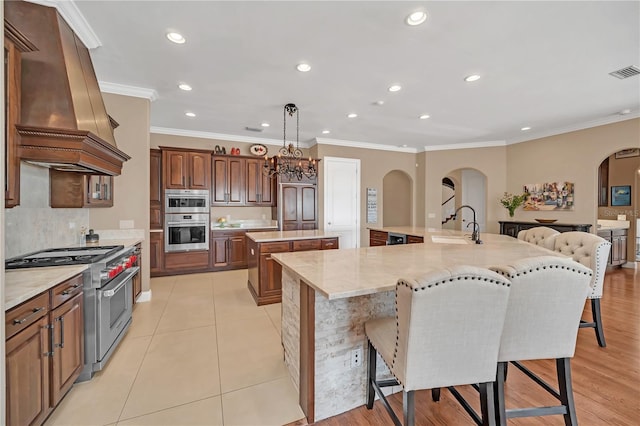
512 202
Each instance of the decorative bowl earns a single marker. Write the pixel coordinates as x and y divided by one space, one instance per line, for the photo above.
546 220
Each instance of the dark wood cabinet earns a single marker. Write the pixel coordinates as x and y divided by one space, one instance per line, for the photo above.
186 169
413 239
377 238
299 207
265 274
618 240
219 251
228 250
155 189
603 183
512 228
15 44
68 347
75 190
156 253
186 261
228 183
260 188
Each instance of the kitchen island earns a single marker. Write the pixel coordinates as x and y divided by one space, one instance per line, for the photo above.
265 274
327 296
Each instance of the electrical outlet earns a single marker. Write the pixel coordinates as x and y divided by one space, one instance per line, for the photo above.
356 357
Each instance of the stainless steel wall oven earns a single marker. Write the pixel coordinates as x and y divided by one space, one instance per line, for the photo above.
186 232
186 201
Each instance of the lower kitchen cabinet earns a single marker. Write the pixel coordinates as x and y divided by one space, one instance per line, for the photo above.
228 250
156 253
44 351
265 274
186 261
618 240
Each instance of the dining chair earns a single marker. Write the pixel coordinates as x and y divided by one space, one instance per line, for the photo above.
540 235
593 252
446 332
543 314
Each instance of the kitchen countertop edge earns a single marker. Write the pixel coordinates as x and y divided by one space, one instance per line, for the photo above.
267 237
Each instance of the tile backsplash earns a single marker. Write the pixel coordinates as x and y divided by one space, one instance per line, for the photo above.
33 225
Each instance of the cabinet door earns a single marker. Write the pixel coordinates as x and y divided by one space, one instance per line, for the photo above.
11 116
219 253
290 205
219 181
268 190
270 276
615 250
68 347
155 189
175 169
137 278
27 375
199 170
156 252
254 181
99 191
622 249
308 207
235 179
238 251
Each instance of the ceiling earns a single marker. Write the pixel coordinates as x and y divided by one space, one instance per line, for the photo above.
543 65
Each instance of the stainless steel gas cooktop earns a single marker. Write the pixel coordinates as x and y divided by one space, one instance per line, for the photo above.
62 256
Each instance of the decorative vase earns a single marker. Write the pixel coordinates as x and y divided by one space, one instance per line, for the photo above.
511 212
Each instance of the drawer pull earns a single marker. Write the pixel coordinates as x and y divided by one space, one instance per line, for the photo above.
25 319
70 290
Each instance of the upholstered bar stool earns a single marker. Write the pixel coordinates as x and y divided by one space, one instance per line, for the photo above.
545 304
593 252
446 332
540 235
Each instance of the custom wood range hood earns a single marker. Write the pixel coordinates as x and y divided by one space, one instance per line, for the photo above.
63 124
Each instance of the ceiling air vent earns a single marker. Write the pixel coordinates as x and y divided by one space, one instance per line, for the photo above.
253 129
627 72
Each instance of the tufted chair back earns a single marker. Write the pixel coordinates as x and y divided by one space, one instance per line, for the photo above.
449 324
545 304
540 235
590 250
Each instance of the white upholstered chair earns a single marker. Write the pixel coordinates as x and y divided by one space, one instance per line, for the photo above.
446 332
593 252
545 304
540 235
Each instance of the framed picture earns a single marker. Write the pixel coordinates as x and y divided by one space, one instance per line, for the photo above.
631 152
621 195
557 196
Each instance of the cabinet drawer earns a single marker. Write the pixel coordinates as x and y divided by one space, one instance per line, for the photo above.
23 315
329 243
65 291
303 245
278 247
412 239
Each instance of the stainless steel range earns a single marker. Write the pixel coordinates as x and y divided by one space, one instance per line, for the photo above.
108 299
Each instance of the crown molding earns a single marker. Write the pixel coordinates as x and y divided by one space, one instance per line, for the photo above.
76 20
445 147
364 145
219 136
574 127
123 89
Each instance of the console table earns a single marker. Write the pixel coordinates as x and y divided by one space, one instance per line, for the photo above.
512 228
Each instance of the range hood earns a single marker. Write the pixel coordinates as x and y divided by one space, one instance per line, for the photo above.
63 124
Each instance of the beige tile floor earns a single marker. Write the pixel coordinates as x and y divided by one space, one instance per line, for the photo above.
199 353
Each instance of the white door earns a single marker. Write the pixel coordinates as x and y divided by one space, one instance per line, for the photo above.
474 194
342 199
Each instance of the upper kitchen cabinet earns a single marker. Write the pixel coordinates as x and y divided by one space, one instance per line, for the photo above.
260 188
155 189
75 190
228 184
186 169
15 43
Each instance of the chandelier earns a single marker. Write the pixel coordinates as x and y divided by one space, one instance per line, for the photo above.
288 162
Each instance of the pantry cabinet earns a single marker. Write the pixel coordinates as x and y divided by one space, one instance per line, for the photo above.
155 189
299 207
156 253
186 169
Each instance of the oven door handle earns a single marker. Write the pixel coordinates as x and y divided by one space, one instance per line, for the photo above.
187 223
130 273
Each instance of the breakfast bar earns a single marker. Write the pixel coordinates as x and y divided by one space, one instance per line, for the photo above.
327 296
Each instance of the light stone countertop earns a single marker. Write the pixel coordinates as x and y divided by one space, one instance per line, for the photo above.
263 237
607 225
23 284
354 272
415 231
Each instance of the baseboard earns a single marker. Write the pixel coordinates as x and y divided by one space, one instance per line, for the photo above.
630 265
145 296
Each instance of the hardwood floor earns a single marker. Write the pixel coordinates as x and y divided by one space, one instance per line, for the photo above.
606 381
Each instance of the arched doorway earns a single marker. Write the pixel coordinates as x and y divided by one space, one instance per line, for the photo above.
397 199
470 188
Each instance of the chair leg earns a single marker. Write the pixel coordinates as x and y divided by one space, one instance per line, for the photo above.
371 376
487 404
408 408
498 391
597 318
563 367
435 394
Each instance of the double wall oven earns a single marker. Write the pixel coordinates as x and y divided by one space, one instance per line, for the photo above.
108 299
186 221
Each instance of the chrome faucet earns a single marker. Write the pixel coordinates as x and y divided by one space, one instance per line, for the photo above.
475 235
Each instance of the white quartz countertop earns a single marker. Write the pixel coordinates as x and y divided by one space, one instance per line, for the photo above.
406 230
23 284
604 224
263 237
354 272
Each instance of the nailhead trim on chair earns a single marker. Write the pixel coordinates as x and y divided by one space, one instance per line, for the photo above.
506 274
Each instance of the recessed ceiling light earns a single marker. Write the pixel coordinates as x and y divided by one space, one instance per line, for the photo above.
424 116
190 114
326 132
524 129
471 78
405 145
302 67
185 87
625 112
176 38
395 88
416 18
265 124
352 115
378 103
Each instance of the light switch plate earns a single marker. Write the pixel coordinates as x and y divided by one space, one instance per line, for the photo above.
126 224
